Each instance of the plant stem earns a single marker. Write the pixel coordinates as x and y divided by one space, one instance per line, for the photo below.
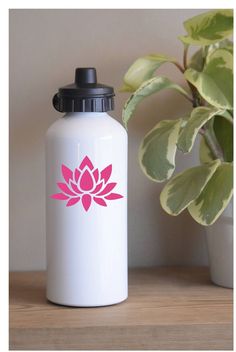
194 91
204 54
215 149
179 66
188 97
185 56
194 101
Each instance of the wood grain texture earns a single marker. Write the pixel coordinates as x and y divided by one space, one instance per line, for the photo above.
167 309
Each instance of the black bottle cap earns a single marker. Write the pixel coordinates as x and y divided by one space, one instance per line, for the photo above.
85 94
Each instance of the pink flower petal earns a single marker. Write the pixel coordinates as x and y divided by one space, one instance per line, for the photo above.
100 201
86 181
59 196
75 188
106 173
77 175
109 187
72 201
113 196
67 173
86 162
96 175
86 201
98 187
65 189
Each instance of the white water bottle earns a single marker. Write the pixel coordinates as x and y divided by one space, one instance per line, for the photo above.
86 186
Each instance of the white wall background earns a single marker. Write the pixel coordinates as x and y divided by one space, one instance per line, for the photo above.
45 48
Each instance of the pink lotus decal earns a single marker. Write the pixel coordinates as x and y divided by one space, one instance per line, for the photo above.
87 184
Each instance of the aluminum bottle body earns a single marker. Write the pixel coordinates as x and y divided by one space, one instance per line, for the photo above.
86 226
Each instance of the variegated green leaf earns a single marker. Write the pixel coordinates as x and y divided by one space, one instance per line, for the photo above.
142 70
208 28
198 118
215 82
224 134
157 150
224 44
153 85
205 154
182 189
215 196
197 60
126 88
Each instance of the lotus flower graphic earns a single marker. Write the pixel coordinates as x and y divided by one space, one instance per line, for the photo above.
87 184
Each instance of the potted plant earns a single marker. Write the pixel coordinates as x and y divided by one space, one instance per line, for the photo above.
204 190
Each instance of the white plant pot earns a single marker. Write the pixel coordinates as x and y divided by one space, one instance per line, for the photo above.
220 249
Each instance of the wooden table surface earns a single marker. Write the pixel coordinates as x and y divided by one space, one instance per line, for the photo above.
169 308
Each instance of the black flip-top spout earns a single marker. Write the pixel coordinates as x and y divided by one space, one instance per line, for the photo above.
85 75
85 94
